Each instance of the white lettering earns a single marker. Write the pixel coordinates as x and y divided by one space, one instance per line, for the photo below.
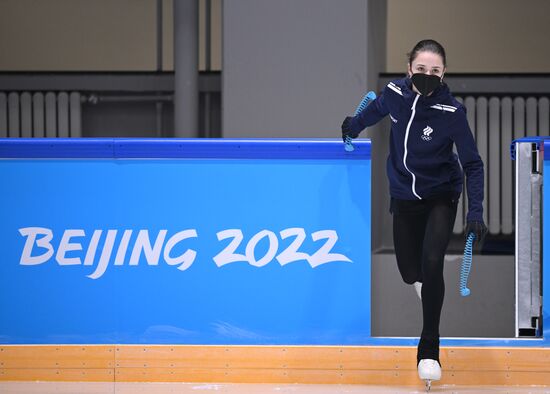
228 255
251 246
291 254
323 255
105 255
152 253
66 246
123 247
44 242
90 254
41 238
186 259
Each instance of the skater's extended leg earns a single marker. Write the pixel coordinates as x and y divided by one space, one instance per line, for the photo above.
438 232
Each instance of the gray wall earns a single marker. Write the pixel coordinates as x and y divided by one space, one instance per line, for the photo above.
488 312
376 60
293 68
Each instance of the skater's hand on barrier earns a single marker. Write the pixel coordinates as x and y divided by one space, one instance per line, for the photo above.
346 129
478 228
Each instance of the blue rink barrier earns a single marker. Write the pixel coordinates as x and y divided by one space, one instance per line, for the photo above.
174 241
184 242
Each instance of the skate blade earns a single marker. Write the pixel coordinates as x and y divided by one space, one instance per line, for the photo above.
428 385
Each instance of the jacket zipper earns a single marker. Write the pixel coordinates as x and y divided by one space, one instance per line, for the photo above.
413 108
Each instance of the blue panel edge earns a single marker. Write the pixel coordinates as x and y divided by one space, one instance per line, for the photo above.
462 342
178 148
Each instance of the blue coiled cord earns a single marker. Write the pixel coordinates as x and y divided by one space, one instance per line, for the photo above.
466 265
370 96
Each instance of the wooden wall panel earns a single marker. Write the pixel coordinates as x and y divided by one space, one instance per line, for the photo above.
57 357
270 364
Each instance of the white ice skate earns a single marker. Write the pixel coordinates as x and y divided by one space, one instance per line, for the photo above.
418 288
429 370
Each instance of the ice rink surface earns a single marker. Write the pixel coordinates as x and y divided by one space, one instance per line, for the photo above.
206 388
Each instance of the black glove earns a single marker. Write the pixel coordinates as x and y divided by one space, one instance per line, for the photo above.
346 129
478 228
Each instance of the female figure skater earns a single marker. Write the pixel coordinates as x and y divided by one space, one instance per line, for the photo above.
426 180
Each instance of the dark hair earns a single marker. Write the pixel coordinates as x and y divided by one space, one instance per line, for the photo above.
430 46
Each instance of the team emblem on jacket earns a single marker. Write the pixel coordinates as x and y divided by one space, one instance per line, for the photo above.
427 133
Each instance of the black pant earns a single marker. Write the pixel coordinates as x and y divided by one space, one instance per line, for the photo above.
421 234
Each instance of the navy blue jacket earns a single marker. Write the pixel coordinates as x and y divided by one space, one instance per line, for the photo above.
421 163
